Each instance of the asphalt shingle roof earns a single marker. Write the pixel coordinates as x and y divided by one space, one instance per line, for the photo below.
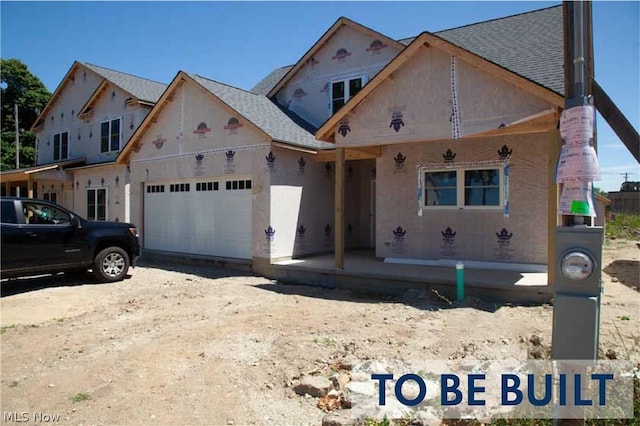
142 88
529 44
273 120
266 84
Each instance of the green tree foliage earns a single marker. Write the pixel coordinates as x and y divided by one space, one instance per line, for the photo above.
599 191
21 87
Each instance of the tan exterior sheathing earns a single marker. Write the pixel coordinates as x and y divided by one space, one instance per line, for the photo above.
313 105
284 194
110 105
311 187
115 179
84 136
168 151
475 239
421 91
61 117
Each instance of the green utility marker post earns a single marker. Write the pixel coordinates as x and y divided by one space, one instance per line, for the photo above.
460 281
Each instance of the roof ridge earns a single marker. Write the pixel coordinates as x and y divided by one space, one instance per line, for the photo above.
496 19
122 72
228 85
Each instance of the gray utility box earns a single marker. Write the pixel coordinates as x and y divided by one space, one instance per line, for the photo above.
576 302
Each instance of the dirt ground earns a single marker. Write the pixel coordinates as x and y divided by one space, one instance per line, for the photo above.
193 345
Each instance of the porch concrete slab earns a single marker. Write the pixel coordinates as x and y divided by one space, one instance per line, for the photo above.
363 271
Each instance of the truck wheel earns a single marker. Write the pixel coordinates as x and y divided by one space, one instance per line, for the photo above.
111 264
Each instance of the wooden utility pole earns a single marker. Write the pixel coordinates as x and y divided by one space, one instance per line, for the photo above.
15 114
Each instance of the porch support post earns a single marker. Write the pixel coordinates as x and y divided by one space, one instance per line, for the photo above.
29 186
7 189
339 209
553 139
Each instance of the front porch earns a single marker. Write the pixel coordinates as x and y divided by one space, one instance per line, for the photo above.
364 273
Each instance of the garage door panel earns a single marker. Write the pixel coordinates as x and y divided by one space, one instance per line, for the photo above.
207 222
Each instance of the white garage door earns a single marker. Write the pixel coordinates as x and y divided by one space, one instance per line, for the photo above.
208 217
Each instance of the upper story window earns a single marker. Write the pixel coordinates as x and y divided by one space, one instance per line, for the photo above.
464 188
110 135
61 146
343 90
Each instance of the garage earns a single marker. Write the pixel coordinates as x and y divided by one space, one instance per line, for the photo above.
209 217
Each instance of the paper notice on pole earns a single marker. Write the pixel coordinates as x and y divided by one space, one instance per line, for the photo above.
578 159
577 199
578 163
576 125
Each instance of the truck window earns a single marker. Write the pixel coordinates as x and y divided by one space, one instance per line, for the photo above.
8 212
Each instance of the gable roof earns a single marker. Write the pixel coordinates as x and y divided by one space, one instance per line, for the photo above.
145 90
341 22
265 85
430 41
280 126
529 44
142 88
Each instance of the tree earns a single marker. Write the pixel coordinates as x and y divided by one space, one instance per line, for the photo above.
599 191
20 87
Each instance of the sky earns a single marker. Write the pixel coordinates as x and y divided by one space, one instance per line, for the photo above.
239 43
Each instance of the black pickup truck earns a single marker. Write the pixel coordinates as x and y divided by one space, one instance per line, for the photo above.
40 237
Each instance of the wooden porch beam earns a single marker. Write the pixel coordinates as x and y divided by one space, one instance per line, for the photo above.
544 123
29 186
339 209
361 153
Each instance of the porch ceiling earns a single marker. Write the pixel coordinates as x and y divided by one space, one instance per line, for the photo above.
26 173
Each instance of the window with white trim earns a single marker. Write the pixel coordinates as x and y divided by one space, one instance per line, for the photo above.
343 90
110 135
97 204
50 196
469 188
61 146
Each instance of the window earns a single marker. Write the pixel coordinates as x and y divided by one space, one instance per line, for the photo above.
441 188
50 196
152 189
97 204
482 187
41 214
342 91
8 213
60 146
463 188
207 186
238 184
180 187
110 135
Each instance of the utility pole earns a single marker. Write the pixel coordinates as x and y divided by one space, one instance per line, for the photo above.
15 114
578 245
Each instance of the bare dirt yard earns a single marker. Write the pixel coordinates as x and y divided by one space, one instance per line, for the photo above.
194 345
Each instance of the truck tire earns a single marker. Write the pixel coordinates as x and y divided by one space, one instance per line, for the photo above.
111 264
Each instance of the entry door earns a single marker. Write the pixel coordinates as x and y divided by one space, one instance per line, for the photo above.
372 214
